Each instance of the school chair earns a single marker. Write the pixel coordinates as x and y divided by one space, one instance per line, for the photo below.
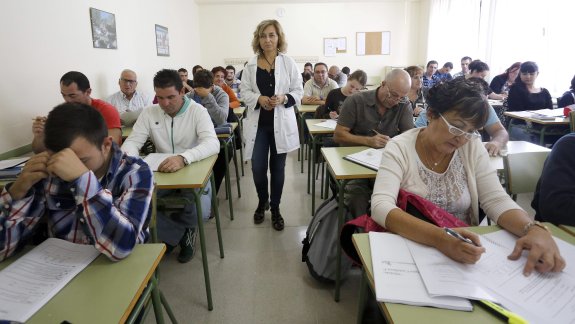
522 171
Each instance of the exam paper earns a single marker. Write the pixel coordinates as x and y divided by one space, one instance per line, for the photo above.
397 279
370 158
155 159
31 281
5 164
329 123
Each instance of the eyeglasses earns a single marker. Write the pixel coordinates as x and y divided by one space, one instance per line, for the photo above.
395 97
459 132
129 81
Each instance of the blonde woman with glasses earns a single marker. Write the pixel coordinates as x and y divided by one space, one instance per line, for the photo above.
447 164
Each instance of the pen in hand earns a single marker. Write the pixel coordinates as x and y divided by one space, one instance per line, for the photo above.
458 236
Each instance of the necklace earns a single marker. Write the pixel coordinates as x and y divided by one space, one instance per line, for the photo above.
432 164
272 64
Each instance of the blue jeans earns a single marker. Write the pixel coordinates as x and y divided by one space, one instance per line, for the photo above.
265 146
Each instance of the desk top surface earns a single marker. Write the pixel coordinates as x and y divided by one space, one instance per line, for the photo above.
313 129
234 126
399 313
239 110
344 169
303 109
513 147
528 116
104 292
195 175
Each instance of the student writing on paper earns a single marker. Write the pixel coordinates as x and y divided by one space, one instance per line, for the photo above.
179 126
88 191
371 118
447 164
336 97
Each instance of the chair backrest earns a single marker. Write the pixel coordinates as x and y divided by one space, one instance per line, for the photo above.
522 171
572 120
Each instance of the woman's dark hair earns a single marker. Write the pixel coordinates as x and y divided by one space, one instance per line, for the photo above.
168 78
513 66
478 66
359 76
526 67
573 83
203 79
196 68
68 121
464 97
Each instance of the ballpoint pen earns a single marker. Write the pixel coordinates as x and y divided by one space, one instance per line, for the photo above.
458 236
505 314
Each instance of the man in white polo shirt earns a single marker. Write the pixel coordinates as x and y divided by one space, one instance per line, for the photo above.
315 90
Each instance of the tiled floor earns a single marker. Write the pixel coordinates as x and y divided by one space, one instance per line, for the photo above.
261 279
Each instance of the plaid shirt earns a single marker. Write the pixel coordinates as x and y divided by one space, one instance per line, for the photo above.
111 214
429 82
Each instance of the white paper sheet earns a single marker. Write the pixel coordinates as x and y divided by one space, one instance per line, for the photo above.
5 164
540 298
329 123
397 279
155 159
31 281
370 158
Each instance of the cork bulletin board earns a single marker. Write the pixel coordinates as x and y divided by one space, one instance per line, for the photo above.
373 43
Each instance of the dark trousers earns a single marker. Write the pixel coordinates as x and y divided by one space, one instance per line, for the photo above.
220 166
265 146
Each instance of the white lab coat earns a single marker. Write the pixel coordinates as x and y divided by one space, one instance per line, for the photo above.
288 81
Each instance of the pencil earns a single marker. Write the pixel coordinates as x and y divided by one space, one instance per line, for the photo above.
376 132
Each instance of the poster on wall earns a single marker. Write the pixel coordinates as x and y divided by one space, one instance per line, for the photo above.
162 41
103 29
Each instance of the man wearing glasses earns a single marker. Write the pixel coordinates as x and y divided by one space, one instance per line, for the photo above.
315 90
371 118
128 101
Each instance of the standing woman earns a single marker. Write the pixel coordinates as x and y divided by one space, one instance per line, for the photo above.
271 86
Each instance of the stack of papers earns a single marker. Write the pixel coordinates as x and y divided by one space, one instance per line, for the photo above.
370 158
10 169
546 114
539 298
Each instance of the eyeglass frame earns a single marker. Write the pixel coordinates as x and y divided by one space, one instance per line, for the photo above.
396 97
456 131
127 81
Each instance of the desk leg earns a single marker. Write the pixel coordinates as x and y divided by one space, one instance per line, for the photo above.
235 157
302 148
228 182
152 226
309 163
340 216
314 142
217 215
157 301
542 135
168 308
363 291
197 194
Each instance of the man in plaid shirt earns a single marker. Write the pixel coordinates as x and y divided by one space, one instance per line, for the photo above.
85 188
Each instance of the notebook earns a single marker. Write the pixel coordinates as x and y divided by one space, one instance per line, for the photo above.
369 158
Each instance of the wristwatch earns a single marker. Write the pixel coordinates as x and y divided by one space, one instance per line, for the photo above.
186 162
529 225
286 99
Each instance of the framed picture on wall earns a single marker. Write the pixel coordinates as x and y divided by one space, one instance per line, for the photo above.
162 41
103 29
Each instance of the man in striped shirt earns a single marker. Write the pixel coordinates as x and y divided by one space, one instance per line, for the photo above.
83 186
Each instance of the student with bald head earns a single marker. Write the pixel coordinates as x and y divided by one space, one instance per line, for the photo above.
128 99
336 75
371 118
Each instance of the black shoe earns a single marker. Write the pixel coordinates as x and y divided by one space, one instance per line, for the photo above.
259 214
277 220
188 245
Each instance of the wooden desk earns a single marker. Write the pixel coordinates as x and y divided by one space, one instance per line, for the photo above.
316 135
225 141
560 124
398 313
106 291
342 171
304 110
194 176
513 147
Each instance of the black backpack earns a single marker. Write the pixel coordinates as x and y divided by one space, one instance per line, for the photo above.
322 241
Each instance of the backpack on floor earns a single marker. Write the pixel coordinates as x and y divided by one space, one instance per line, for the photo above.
322 241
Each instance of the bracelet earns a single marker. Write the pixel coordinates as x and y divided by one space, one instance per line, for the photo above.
529 225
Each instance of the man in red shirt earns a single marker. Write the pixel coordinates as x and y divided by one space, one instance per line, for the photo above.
75 88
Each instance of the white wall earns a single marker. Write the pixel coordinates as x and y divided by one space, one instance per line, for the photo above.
41 40
306 24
